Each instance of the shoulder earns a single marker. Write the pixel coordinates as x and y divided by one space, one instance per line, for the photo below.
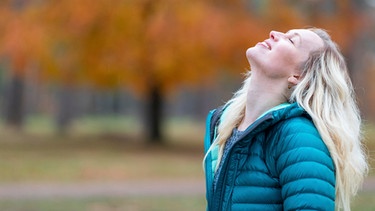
297 130
297 140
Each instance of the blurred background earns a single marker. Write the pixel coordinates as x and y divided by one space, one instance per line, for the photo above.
103 103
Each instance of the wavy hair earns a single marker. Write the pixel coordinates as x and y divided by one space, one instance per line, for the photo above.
326 93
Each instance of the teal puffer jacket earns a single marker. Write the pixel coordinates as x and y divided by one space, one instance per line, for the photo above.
279 163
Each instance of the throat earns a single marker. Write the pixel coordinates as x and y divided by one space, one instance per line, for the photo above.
263 94
256 108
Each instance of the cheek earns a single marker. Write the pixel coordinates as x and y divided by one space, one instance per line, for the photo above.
291 59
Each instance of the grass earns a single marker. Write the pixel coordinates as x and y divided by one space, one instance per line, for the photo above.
89 125
95 159
99 150
364 202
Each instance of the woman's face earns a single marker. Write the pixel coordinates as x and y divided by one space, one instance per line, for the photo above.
281 54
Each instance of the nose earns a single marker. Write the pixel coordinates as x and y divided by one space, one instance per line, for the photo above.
275 35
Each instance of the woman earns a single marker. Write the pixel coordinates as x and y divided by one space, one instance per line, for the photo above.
290 138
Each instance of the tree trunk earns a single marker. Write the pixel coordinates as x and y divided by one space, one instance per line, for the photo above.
116 102
14 113
65 109
154 116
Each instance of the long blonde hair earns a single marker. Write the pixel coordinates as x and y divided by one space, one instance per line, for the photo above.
327 95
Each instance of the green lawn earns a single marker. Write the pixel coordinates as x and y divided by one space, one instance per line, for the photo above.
94 159
364 202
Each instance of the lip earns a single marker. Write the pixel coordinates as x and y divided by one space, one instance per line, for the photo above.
265 44
268 44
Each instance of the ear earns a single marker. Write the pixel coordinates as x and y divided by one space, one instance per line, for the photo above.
293 80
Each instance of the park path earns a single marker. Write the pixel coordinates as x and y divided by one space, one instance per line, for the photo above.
120 189
111 189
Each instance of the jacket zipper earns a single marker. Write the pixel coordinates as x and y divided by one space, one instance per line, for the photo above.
223 176
234 181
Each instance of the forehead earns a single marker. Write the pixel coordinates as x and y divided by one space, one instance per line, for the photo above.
309 39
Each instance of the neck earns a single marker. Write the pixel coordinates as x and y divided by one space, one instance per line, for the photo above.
262 95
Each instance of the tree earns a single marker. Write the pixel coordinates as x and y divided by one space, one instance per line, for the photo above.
148 46
21 38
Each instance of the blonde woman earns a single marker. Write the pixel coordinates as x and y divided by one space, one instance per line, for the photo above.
290 138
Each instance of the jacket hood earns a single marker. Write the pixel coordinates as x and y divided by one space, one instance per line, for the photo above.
289 111
275 115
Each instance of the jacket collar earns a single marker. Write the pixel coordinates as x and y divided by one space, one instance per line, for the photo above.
273 116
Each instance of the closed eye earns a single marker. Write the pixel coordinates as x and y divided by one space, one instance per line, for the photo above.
291 41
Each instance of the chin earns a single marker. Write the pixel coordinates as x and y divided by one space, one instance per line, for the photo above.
250 53
249 50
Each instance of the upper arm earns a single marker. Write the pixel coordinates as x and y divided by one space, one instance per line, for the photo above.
305 168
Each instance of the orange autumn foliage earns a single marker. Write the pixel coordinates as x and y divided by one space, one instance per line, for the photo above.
143 43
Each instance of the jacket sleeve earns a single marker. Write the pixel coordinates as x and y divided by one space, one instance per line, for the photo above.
305 167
